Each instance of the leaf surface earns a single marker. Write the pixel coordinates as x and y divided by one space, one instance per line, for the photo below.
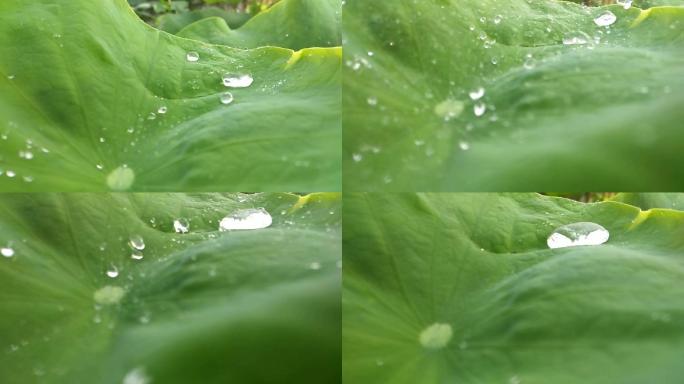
604 115
203 306
518 311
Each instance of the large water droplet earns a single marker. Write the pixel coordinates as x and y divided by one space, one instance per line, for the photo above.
226 98
121 178
237 80
252 218
582 233
181 225
109 294
192 56
162 110
7 251
436 336
449 109
605 19
136 242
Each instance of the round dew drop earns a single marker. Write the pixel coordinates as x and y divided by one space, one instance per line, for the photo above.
136 242
477 93
436 336
113 271
244 219
605 19
479 109
192 56
226 98
577 234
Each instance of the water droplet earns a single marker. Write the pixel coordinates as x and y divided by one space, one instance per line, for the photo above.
137 255
113 271
10 173
449 109
626 4
7 251
136 376
357 157
464 145
514 380
436 336
162 110
582 233
226 98
529 63
252 218
372 101
477 93
152 116
579 38
497 19
181 225
495 60
192 56
28 155
237 80
479 109
315 266
11 77
109 294
136 242
99 166
605 19
121 178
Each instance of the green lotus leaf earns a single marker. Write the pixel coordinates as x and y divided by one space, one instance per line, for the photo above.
174 22
80 304
294 24
462 288
601 111
647 201
93 99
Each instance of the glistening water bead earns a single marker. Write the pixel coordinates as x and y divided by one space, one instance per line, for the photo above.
192 56
252 218
605 19
226 98
576 234
241 80
7 251
136 242
181 225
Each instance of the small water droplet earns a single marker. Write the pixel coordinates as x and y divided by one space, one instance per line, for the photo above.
497 19
605 19
357 157
233 80
136 242
372 101
113 271
477 93
495 60
152 116
626 4
11 77
192 56
463 145
436 336
162 110
514 380
579 38
10 173
137 255
181 225
28 155
226 98
121 178
576 234
370 53
7 251
479 109
252 218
